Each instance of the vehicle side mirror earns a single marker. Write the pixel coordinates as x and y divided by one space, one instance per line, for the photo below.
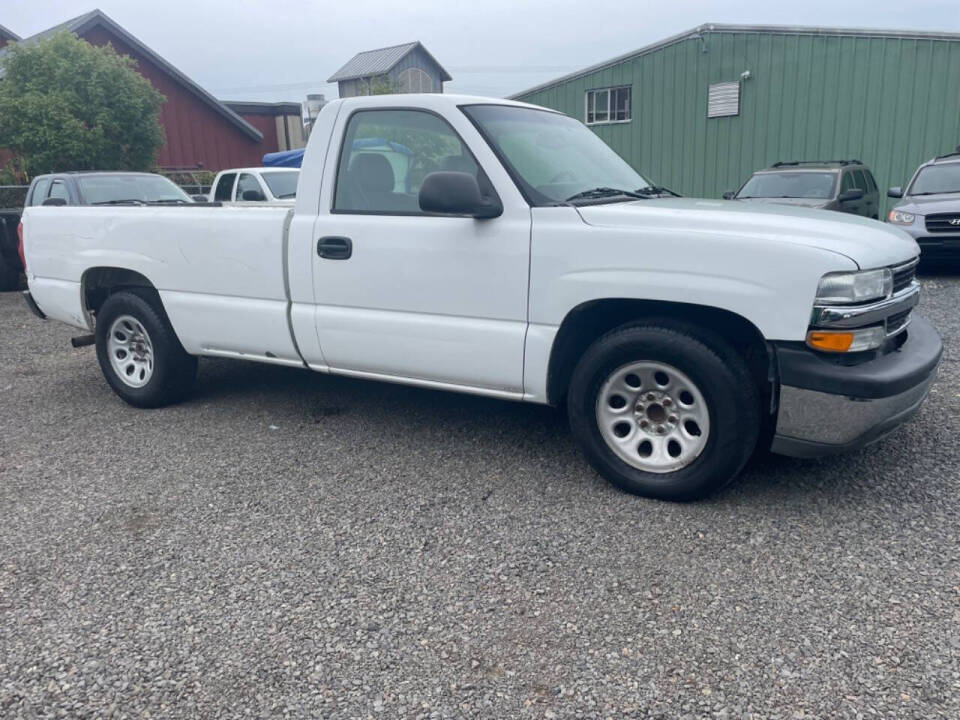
895 192
456 193
200 198
54 202
729 194
850 195
253 196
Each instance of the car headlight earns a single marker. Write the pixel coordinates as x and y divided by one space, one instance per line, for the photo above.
845 288
899 217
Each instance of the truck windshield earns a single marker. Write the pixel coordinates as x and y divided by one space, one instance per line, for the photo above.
790 185
107 189
937 180
282 184
553 157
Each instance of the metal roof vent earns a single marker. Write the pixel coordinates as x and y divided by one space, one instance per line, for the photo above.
723 99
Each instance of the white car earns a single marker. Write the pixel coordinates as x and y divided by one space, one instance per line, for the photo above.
256 185
499 248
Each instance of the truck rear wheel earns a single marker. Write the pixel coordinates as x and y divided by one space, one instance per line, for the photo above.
664 410
139 353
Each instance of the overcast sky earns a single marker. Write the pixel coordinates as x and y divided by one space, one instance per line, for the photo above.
282 50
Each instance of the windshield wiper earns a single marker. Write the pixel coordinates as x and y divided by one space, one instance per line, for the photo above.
601 192
176 201
657 190
286 195
130 201
944 192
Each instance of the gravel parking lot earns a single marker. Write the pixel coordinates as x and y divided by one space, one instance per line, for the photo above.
287 544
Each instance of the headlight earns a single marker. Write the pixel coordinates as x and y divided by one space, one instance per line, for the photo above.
899 217
844 288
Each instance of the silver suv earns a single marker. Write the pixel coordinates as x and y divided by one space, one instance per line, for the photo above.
842 185
929 209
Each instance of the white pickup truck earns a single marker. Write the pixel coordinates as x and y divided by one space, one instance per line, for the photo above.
276 185
498 248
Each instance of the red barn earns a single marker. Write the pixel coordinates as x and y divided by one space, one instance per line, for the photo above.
201 131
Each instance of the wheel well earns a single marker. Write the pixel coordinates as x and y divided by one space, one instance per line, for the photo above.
101 282
587 322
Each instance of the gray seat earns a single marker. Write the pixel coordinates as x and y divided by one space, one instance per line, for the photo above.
371 182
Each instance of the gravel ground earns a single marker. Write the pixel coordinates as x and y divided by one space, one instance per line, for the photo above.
294 545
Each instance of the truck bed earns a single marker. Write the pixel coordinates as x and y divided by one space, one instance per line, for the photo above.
219 271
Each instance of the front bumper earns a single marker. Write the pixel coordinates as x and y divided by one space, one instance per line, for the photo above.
827 408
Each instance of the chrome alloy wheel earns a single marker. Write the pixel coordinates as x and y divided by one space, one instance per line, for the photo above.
130 351
653 416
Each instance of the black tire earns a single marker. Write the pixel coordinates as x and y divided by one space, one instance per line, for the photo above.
174 371
731 394
9 274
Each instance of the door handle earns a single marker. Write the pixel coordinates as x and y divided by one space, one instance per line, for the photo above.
335 248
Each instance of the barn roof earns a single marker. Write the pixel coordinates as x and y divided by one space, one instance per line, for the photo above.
7 34
701 30
381 61
97 18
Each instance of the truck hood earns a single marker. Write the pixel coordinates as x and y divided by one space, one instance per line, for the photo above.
867 242
797 202
927 204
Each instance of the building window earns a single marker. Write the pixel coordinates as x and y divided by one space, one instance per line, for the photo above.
415 80
723 99
609 105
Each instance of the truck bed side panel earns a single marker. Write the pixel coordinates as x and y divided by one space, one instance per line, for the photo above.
219 270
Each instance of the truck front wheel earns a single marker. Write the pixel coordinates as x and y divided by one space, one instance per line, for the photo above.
664 410
139 353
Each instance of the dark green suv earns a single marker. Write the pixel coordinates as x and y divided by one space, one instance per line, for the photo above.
841 185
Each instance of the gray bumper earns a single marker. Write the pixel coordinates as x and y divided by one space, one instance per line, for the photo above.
827 408
811 423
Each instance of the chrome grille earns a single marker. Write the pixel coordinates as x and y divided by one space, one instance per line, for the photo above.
943 223
897 322
903 275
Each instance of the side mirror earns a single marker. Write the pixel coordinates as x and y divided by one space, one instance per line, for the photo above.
729 194
895 192
200 198
253 196
850 195
54 202
456 193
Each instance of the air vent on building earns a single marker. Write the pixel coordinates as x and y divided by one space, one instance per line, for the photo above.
723 99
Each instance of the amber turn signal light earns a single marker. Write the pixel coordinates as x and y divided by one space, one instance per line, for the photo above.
830 341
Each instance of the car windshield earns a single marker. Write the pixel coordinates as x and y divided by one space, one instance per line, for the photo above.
554 157
800 184
937 179
282 184
103 189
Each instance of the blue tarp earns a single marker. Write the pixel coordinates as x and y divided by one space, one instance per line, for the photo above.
287 158
294 158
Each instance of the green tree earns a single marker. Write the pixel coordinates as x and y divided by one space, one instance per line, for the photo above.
68 105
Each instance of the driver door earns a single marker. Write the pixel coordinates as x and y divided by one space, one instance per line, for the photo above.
411 296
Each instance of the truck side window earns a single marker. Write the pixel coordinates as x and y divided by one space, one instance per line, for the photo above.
386 154
224 187
59 190
40 191
248 183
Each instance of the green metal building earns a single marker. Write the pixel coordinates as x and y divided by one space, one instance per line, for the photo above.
700 111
